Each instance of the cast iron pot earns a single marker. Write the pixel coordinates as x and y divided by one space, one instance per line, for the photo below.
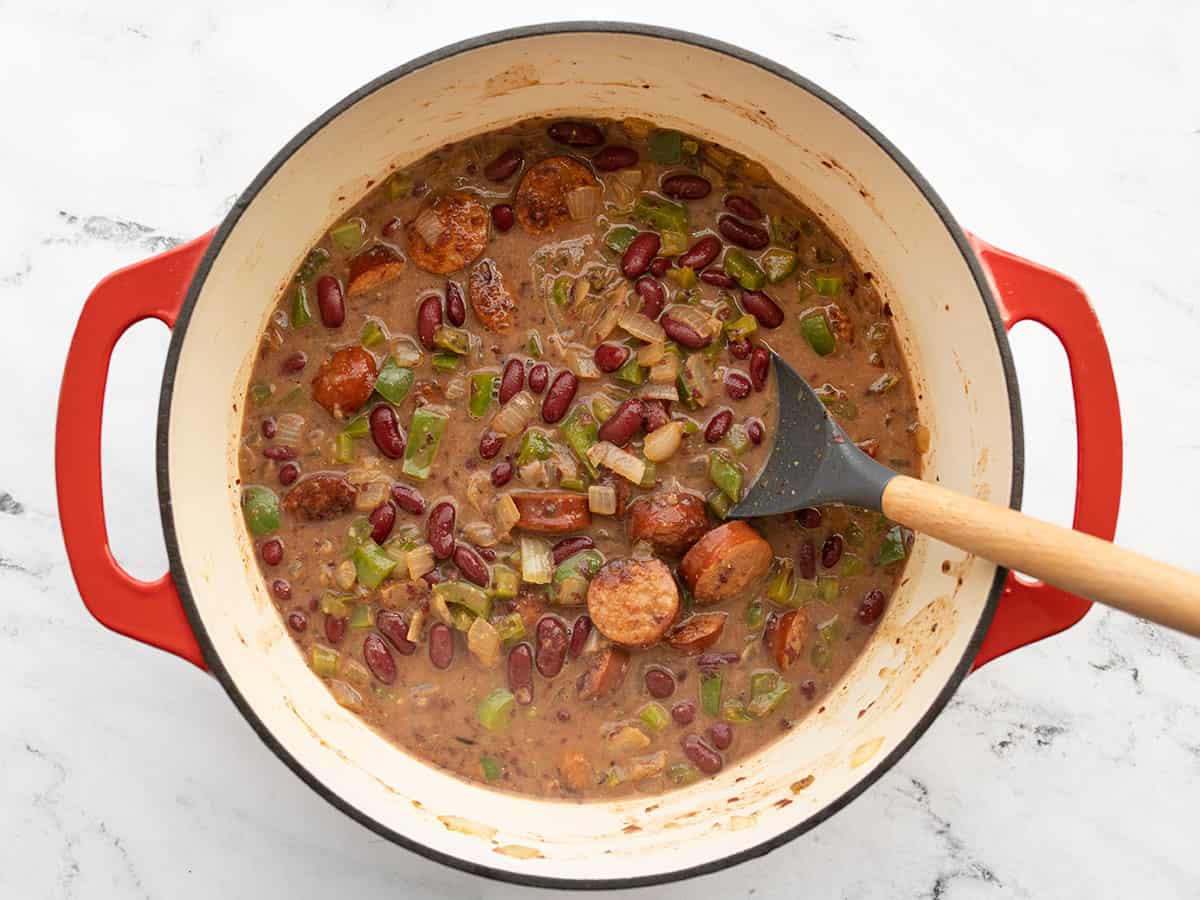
952 297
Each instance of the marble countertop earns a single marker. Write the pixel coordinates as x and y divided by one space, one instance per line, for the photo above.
1068 133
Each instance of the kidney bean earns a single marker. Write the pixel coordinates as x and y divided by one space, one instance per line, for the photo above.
456 310
282 589
335 629
760 367
297 621
718 278
503 217
610 357
330 301
580 632
502 473
288 473
754 430
490 444
440 529
563 715
271 551
268 427
512 379
639 254
279 453
432 578
653 296
382 519
441 645
659 683
539 375
559 396
429 317
621 426
831 551
683 712
686 186
739 349
379 658
721 735
806 560
488 554
502 167
743 206
615 157
471 564
552 643
718 426
742 233
408 499
295 362
576 134
701 253
392 227
872 607
569 546
763 308
385 431
520 673
737 385
660 265
684 334
393 627
702 756
809 517
655 414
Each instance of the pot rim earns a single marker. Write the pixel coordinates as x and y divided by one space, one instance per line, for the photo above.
179 575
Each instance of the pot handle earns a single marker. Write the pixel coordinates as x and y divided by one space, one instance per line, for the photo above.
1030 611
149 611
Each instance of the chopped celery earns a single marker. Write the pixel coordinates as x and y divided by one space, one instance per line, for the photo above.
464 594
399 186
495 710
394 381
585 564
324 660
343 447
603 407
261 508
851 565
445 362
710 693
684 277
575 483
741 327
763 703
816 331
726 475
744 270
828 587
654 717
483 386
460 618
893 548
359 426
783 584
619 238
631 372
335 604
660 214
682 773
734 710
535 445
452 340
690 426
362 617
490 768
762 682
313 263
371 564
372 334
718 504
505 582
665 147
754 615
738 439
561 292
301 314
854 534
534 345
828 634
779 264
510 627
821 656
673 243
424 436
348 235
359 530
827 285
649 474
580 430
260 393
570 591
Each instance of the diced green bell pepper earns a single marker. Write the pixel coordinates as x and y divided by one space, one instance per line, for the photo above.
452 340
313 263
260 505
781 587
854 534
535 445
851 565
585 564
631 372
495 710
533 346
893 548
490 768
744 270
654 717
828 587
618 238
754 615
672 244
560 293
363 616
682 773
483 387
464 594
260 393
301 314
726 475
710 693
816 331
505 582
827 285
718 504
445 361
741 327
358 427
510 627
778 264
349 235
763 703
665 147
372 334
660 214
683 276
371 564
603 407
394 381
424 436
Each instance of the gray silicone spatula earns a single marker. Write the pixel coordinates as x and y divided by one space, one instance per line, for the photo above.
814 462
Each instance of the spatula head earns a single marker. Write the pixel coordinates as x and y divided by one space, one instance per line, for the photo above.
812 460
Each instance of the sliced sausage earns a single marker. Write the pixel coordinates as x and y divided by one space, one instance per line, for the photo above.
633 601
604 674
542 194
345 381
464 233
494 306
787 638
320 496
553 512
725 562
698 633
371 268
671 521
577 773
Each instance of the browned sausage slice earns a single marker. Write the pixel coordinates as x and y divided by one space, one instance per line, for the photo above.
320 496
605 672
373 267
576 771
633 601
787 637
725 562
553 512
542 194
698 633
345 381
463 233
494 306
671 521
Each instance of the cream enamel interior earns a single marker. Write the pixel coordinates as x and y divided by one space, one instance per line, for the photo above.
828 162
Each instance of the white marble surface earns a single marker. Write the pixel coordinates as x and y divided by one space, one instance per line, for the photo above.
1067 132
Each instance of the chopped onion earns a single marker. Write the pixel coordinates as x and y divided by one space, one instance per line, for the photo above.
414 627
537 561
481 534
660 391
693 317
344 575
456 389
631 178
515 415
371 495
580 362
507 515
582 202
440 608
484 641
608 321
580 291
479 490
288 427
407 353
665 371
701 374
620 461
662 442
623 195
641 327
420 561
640 550
651 353
602 499
429 225
565 464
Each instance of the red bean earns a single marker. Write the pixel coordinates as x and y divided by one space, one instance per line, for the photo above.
683 712
271 551
717 277
490 444
559 396
742 233
279 453
872 607
718 426
503 217
392 227
702 756
520 673
576 134
660 265
653 296
686 186
760 367
288 473
282 589
763 308
382 519
487 553
393 627
471 564
659 683
408 499
502 473
580 632
684 334
429 317
379 658
743 207
569 546
440 529
610 357
385 431
655 414
539 375
268 427
432 578
621 426
512 380
809 517
615 157
297 621
737 385
703 252
831 551
552 643
335 629
295 362
330 301
739 349
721 735
502 167
639 254
441 645
754 430
456 310
806 560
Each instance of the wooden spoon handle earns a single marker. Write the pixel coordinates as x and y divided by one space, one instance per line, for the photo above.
1071 560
